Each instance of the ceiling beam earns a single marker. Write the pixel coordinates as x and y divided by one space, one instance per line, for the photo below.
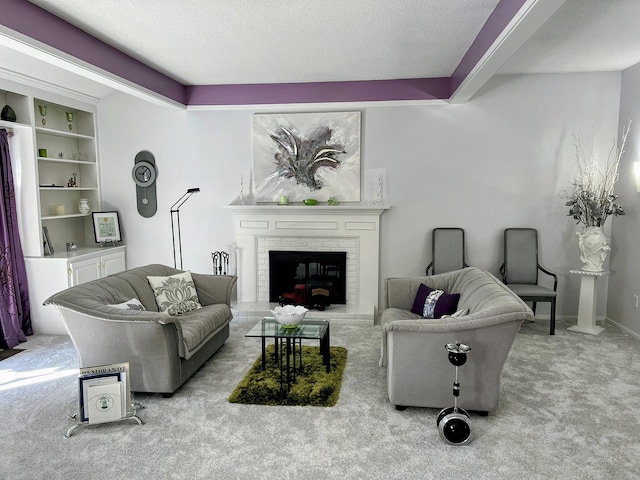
510 25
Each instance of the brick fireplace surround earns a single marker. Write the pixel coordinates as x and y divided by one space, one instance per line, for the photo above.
351 229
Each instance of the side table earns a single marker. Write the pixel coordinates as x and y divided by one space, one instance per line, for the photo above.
587 304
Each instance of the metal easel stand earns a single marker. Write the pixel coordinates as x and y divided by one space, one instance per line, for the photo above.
132 415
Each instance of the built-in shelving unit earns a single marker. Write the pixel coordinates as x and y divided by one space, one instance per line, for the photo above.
55 159
67 171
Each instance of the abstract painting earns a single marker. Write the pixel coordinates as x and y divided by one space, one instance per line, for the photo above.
306 155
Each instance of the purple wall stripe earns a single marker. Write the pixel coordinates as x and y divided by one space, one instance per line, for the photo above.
495 24
361 91
30 20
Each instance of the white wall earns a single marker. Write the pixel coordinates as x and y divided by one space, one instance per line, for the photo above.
625 256
497 161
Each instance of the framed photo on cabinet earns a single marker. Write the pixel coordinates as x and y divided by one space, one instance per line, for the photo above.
106 227
46 242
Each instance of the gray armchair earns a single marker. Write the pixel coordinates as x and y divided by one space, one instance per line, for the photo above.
520 270
418 371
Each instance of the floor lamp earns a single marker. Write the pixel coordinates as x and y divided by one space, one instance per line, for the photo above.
175 224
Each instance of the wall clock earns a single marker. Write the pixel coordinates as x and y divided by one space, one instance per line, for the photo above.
144 175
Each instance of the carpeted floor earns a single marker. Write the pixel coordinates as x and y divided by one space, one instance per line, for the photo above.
570 409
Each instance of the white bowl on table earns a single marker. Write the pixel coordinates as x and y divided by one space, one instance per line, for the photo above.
289 316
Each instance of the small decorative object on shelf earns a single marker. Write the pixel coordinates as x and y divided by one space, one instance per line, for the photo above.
310 201
69 119
8 114
42 152
73 181
43 111
71 247
84 206
333 201
46 242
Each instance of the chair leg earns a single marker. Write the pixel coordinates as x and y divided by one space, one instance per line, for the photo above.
533 308
552 325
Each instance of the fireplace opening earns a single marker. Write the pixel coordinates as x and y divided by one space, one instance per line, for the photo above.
304 278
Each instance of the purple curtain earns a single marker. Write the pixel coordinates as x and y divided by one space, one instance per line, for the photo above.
15 315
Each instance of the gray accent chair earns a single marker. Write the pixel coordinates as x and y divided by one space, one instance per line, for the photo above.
520 270
448 250
413 348
163 351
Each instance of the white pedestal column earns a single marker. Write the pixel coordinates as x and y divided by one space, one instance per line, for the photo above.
587 303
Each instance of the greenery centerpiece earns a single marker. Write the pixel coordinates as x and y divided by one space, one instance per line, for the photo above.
591 199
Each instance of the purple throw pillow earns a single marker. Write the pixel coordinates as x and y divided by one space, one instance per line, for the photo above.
432 303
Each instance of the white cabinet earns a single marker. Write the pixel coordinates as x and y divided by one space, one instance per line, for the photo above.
50 275
94 267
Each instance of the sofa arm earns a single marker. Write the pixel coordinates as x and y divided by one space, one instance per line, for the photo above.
214 289
466 322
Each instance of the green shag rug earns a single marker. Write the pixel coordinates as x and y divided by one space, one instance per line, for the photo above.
313 386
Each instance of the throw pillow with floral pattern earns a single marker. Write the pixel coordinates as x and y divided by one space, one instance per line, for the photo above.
175 294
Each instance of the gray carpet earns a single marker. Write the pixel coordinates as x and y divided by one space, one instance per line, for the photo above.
570 408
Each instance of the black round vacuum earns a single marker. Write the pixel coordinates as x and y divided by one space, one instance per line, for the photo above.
453 422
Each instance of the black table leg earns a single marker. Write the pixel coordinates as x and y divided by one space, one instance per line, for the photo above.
325 344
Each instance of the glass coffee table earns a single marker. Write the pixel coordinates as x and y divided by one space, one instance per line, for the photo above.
288 345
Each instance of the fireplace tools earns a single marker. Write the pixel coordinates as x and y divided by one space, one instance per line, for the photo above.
220 263
453 422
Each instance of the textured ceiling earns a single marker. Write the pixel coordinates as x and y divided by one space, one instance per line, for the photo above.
202 42
208 42
218 44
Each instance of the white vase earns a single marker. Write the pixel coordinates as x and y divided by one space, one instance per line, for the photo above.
594 248
84 206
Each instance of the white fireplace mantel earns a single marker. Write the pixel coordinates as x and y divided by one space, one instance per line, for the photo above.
351 228
291 209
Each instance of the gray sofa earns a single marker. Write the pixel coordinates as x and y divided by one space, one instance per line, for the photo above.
413 348
163 351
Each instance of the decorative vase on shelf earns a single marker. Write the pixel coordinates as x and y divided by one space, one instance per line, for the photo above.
8 114
84 206
594 248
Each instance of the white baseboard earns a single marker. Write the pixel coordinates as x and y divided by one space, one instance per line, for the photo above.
624 329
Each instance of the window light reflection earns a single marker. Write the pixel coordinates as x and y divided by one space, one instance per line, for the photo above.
10 379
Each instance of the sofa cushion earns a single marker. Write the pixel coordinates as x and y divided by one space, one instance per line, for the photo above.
434 303
201 324
175 294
